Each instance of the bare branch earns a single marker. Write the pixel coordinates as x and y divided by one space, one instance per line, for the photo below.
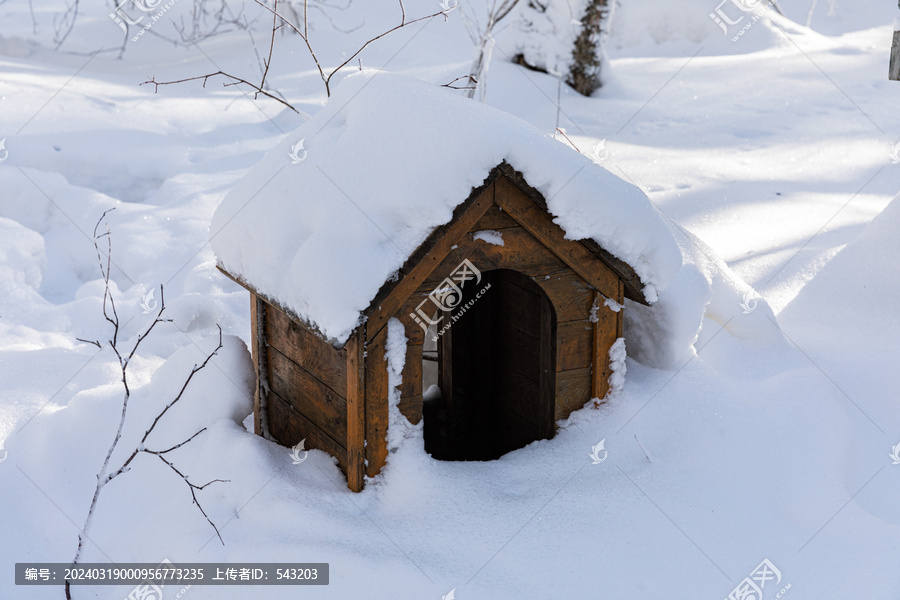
176 446
114 321
193 489
268 61
104 476
236 80
458 87
194 371
158 319
66 24
304 35
402 24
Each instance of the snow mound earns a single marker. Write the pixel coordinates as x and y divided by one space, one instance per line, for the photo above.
321 225
663 335
855 295
729 27
22 256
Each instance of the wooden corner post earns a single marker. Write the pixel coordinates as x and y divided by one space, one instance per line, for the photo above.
356 410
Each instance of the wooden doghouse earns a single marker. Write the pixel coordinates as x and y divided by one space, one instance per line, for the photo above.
531 346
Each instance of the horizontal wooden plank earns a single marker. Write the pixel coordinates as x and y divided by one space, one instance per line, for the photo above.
573 391
307 350
307 395
288 427
574 345
571 296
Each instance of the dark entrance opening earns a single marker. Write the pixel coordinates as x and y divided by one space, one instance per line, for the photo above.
496 371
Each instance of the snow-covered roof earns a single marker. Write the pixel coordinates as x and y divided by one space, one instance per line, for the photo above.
320 226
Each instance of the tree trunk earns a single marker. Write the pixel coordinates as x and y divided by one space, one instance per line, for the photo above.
584 74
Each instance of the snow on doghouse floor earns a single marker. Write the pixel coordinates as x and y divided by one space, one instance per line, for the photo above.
758 450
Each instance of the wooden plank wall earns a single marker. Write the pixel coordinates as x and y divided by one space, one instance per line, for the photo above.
316 392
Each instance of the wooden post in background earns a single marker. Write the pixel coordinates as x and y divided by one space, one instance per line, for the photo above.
894 69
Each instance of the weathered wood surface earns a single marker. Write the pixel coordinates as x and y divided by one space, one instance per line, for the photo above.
411 408
411 387
520 252
495 218
541 226
620 316
571 296
547 384
412 371
633 283
573 391
376 401
894 66
414 332
308 395
356 411
574 345
288 427
307 350
605 334
255 353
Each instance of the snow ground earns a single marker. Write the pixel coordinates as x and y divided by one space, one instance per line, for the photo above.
773 149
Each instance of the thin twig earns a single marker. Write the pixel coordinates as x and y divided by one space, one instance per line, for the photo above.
256 88
304 35
194 487
458 87
567 138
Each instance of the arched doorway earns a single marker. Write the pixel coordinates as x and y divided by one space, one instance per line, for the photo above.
496 371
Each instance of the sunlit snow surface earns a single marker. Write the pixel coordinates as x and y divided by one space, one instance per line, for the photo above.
774 150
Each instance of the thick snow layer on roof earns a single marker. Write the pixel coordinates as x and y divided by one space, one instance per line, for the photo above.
320 226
